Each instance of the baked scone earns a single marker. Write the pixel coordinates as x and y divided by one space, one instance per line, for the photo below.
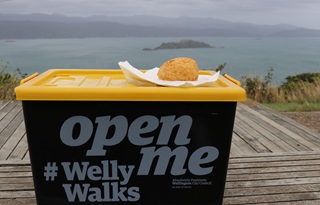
179 69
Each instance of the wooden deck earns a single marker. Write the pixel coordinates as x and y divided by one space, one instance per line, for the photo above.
274 160
13 140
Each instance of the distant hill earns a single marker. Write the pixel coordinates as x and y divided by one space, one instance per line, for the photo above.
31 26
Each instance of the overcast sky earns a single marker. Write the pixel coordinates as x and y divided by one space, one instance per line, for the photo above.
305 13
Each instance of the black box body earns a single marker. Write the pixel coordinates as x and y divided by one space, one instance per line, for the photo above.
146 153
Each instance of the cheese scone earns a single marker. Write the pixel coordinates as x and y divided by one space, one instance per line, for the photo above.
179 69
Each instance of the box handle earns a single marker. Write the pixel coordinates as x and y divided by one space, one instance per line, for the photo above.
29 78
232 79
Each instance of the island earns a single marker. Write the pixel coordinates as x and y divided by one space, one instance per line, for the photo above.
180 45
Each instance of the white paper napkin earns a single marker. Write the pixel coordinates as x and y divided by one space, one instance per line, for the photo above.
150 77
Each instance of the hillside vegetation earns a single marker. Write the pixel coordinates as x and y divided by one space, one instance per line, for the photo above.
299 93
8 81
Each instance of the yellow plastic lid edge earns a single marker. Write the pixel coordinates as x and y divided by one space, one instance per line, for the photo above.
232 79
28 78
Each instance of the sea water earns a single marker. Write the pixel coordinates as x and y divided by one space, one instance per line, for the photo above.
244 56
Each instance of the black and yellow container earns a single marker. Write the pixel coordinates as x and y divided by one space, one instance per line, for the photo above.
94 138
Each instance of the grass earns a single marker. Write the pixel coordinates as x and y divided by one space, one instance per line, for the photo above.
294 107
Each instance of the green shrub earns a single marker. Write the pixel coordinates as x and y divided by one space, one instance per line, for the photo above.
297 80
301 88
258 88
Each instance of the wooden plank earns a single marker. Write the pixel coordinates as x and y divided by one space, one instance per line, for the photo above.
302 141
17 174
274 164
21 150
274 198
3 104
304 202
26 156
232 192
19 200
12 142
273 182
13 168
4 112
17 194
16 186
284 156
244 132
285 140
14 163
263 135
286 121
235 149
274 179
278 139
272 169
283 120
241 144
260 155
11 122
10 180
289 123
275 174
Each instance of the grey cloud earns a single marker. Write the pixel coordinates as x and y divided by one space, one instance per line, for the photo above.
287 4
168 7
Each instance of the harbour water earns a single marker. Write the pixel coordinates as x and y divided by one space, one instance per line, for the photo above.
244 56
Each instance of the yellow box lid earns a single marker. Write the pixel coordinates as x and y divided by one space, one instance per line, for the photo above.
111 85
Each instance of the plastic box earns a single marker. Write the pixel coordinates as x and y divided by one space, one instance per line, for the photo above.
94 138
